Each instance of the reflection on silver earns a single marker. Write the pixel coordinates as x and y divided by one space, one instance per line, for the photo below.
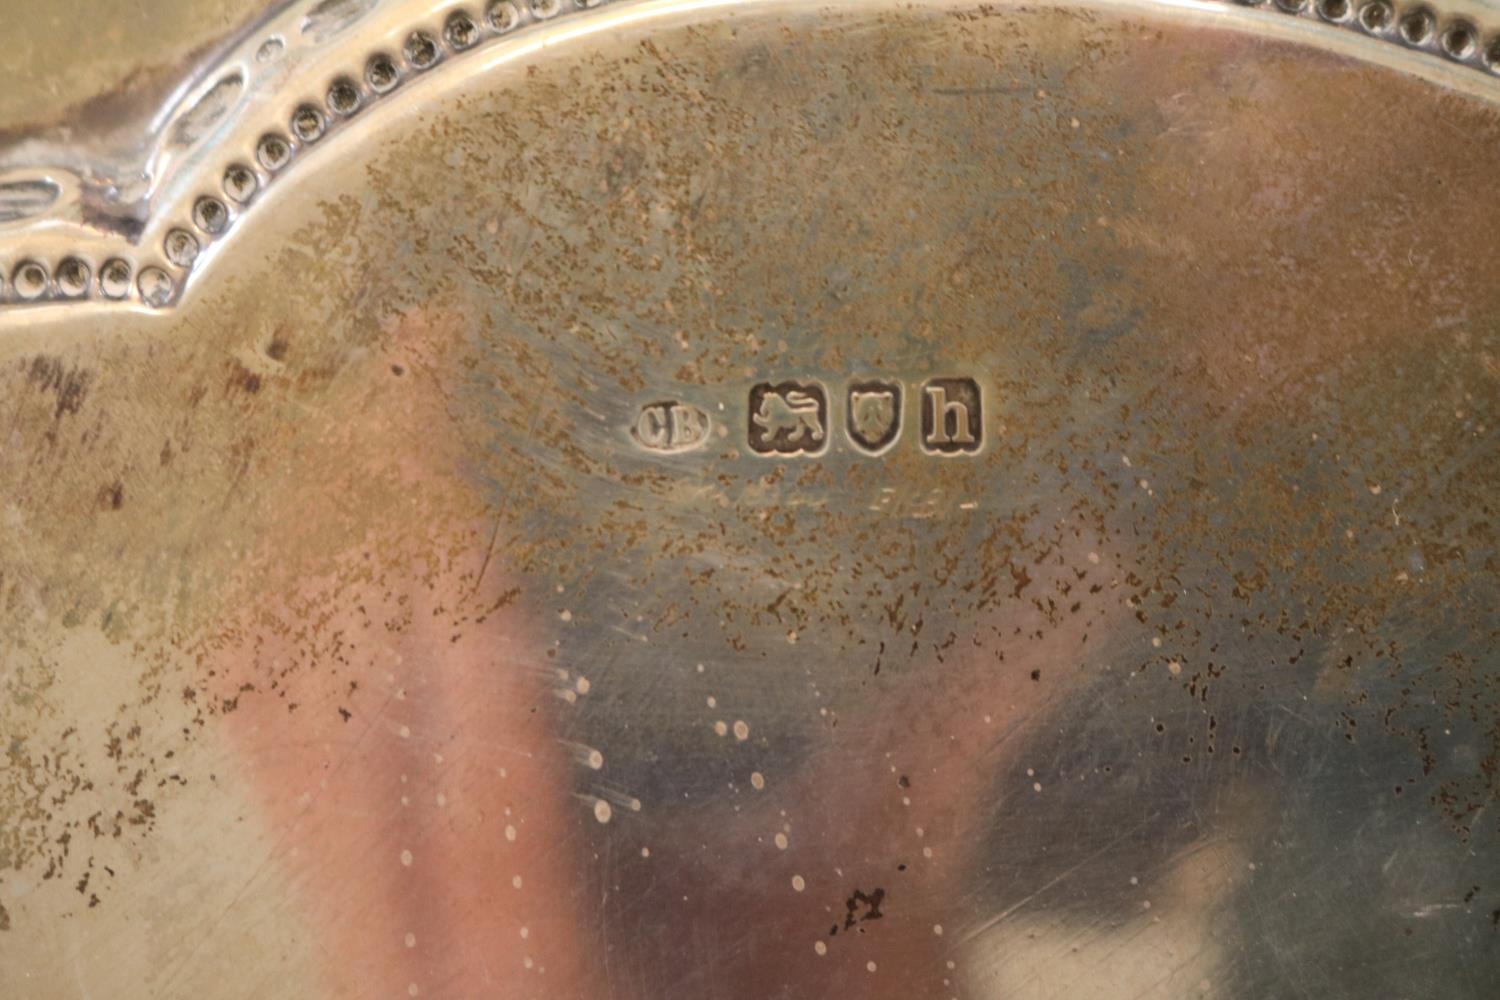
757 500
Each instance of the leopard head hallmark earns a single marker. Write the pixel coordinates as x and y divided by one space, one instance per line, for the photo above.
874 415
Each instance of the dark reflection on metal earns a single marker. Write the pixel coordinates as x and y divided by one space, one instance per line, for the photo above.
764 501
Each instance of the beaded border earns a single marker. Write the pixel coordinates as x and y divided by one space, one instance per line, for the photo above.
243 179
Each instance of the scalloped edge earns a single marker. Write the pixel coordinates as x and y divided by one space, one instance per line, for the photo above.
216 160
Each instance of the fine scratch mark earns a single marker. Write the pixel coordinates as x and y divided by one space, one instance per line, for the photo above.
1000 917
488 553
977 91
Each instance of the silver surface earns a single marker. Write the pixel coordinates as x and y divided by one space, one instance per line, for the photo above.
749 500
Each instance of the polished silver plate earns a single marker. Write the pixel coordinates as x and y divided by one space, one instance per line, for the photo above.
736 499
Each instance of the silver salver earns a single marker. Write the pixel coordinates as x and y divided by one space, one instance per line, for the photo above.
749 500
